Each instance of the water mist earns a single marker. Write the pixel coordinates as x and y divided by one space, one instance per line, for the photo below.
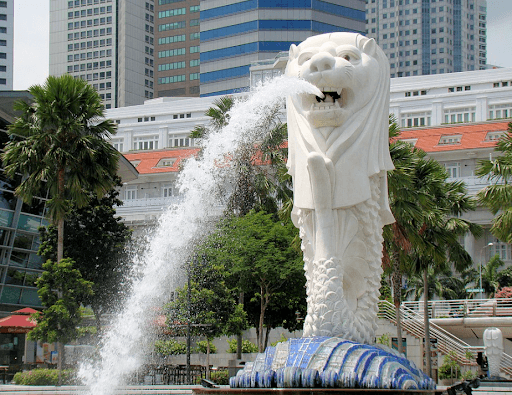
124 344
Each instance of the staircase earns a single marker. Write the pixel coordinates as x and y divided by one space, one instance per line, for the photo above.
412 323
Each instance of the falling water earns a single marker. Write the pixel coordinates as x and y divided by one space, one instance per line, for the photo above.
123 348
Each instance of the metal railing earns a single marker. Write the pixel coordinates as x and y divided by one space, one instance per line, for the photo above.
463 308
412 323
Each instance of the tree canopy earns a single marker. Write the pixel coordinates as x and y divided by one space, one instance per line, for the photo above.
61 289
96 240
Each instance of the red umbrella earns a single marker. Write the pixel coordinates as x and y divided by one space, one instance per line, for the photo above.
19 322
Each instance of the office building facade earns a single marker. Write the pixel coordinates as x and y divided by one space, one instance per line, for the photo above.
236 33
423 37
109 43
177 48
6 44
20 266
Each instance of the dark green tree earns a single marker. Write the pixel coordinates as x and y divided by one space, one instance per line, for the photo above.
258 258
96 240
62 290
58 144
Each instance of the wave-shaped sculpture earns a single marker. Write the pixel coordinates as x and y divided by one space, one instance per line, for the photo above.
330 362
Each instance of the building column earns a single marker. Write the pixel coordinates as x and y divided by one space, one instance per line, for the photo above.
437 112
469 245
163 137
481 109
128 140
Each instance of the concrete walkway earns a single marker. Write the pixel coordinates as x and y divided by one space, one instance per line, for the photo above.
76 390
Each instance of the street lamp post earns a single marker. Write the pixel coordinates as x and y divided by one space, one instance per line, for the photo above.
481 264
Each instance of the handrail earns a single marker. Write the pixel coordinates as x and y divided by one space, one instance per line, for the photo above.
412 322
464 308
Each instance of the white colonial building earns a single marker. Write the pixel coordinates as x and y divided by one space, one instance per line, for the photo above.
456 118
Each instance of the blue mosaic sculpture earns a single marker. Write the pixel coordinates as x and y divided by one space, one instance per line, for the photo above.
330 362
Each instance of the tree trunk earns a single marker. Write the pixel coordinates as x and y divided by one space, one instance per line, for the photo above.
60 256
397 298
207 359
267 333
263 306
428 361
239 339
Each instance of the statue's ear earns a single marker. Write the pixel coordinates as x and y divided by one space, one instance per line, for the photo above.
369 47
294 52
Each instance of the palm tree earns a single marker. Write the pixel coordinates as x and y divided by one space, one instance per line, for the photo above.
498 196
491 275
440 230
58 145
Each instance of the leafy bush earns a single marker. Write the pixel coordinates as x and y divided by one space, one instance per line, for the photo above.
247 346
450 368
202 345
45 377
384 339
468 375
170 347
220 377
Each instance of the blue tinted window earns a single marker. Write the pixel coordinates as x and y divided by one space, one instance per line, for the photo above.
284 3
225 74
287 24
338 10
271 46
228 52
226 92
229 30
229 9
320 27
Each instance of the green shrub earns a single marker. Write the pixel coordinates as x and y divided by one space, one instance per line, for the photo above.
384 339
468 375
247 346
45 377
450 368
170 347
201 347
221 377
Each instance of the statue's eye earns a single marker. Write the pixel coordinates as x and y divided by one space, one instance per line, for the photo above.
346 57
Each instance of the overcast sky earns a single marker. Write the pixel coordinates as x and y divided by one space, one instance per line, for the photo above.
31 39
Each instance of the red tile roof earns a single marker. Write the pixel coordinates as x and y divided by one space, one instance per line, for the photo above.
473 136
149 159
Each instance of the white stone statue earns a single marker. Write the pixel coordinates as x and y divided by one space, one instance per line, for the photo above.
338 158
493 342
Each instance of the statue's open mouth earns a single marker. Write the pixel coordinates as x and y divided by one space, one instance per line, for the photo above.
332 100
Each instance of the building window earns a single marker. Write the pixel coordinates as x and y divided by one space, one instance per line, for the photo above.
145 143
453 169
169 191
130 193
179 140
500 111
459 115
452 139
418 119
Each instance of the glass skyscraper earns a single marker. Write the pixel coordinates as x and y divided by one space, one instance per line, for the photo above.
20 265
235 34
423 37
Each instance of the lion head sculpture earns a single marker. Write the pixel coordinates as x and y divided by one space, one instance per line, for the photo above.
349 125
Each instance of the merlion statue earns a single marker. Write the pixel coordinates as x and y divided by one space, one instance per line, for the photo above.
493 342
338 159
